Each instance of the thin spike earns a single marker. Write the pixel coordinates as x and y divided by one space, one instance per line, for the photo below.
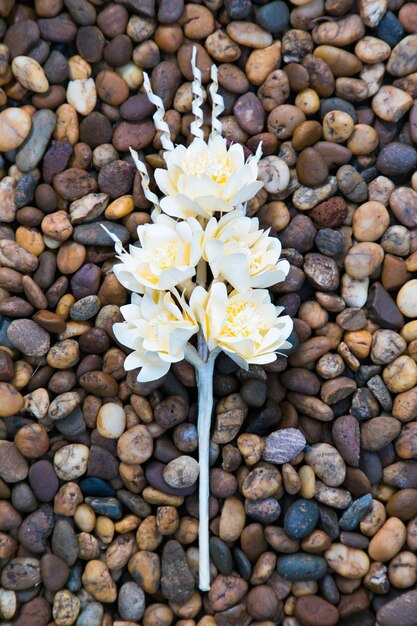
217 103
145 180
196 125
158 116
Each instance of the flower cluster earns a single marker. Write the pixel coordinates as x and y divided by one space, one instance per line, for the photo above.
202 267
203 225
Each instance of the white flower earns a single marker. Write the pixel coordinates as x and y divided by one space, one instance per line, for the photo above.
206 177
168 255
240 253
245 325
157 329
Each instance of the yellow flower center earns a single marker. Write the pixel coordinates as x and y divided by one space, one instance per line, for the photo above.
242 320
165 254
208 164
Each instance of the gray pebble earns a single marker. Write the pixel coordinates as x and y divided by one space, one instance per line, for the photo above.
86 308
353 515
131 602
32 150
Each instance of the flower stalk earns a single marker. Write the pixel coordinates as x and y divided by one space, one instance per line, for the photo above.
204 374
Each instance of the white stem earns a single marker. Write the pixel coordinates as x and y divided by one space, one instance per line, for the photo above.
217 103
205 405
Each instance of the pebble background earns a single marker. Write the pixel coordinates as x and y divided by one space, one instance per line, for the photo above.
314 472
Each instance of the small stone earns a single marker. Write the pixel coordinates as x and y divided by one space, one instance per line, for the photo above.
181 472
249 113
131 602
30 74
71 461
12 400
66 608
177 582
327 463
407 299
396 159
400 611
355 512
329 214
21 573
88 208
15 125
36 528
274 16
221 556
283 445
312 610
312 169
301 518
111 421
82 95
226 591
110 507
43 480
382 308
97 581
305 198
32 151
54 571
28 337
301 566
13 466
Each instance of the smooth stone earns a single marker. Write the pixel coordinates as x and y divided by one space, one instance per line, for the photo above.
94 235
182 472
265 511
400 611
131 602
283 445
301 566
154 475
64 542
354 513
32 151
43 480
92 615
36 528
301 518
274 16
242 563
382 308
221 555
389 29
54 571
396 159
110 507
338 104
262 422
96 487
254 392
177 581
28 337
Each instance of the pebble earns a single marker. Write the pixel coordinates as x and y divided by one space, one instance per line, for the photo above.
15 125
221 556
177 582
283 445
313 611
131 602
28 337
33 149
301 566
273 17
406 299
71 461
396 159
301 518
181 472
98 582
356 511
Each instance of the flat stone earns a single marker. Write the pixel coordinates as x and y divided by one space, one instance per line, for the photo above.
283 445
177 581
301 566
354 513
28 337
32 151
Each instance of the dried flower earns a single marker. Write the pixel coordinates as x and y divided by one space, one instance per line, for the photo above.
157 328
241 254
245 325
205 178
168 255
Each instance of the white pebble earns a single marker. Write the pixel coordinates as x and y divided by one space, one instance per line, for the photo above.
111 421
81 93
